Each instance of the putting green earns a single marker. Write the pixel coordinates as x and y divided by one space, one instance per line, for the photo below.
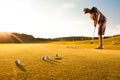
79 62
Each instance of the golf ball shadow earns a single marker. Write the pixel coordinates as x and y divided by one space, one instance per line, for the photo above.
58 58
19 66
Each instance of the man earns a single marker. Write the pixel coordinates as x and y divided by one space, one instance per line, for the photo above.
99 19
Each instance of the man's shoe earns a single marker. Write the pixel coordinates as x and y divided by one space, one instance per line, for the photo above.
99 47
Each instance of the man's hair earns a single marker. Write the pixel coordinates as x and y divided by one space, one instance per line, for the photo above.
86 10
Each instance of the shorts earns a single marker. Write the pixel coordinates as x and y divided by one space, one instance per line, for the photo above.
102 27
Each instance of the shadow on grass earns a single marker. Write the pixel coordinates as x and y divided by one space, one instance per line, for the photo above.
20 67
52 61
58 58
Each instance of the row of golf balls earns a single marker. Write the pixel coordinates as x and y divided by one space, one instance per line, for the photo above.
48 57
44 58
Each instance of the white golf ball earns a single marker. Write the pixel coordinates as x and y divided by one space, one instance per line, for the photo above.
17 61
48 57
44 58
57 55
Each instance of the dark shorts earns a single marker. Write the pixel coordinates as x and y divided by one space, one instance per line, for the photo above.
101 28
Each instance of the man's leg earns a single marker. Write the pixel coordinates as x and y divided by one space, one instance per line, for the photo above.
100 40
101 32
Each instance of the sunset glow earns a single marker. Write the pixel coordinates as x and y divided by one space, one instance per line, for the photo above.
50 18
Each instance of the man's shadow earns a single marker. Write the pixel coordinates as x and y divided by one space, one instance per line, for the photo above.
20 67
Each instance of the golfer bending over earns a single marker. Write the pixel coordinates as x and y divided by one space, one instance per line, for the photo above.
99 19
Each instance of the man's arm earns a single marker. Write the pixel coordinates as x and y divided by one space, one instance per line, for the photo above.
95 17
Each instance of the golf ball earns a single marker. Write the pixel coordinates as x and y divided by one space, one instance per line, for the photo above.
57 55
44 58
17 61
48 57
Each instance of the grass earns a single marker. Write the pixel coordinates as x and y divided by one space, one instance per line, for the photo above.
80 61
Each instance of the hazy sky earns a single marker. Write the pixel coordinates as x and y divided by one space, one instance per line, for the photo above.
56 18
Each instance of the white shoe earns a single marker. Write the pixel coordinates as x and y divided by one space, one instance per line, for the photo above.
99 47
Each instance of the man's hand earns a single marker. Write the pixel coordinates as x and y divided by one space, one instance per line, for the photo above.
95 23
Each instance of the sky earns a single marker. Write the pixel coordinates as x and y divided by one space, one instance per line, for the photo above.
57 18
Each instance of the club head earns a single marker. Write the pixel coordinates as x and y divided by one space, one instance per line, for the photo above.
91 42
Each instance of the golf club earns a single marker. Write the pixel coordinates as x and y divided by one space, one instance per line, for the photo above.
93 36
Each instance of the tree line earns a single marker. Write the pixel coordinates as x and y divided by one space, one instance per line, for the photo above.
25 38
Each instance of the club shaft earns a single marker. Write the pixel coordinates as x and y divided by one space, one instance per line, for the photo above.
93 33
